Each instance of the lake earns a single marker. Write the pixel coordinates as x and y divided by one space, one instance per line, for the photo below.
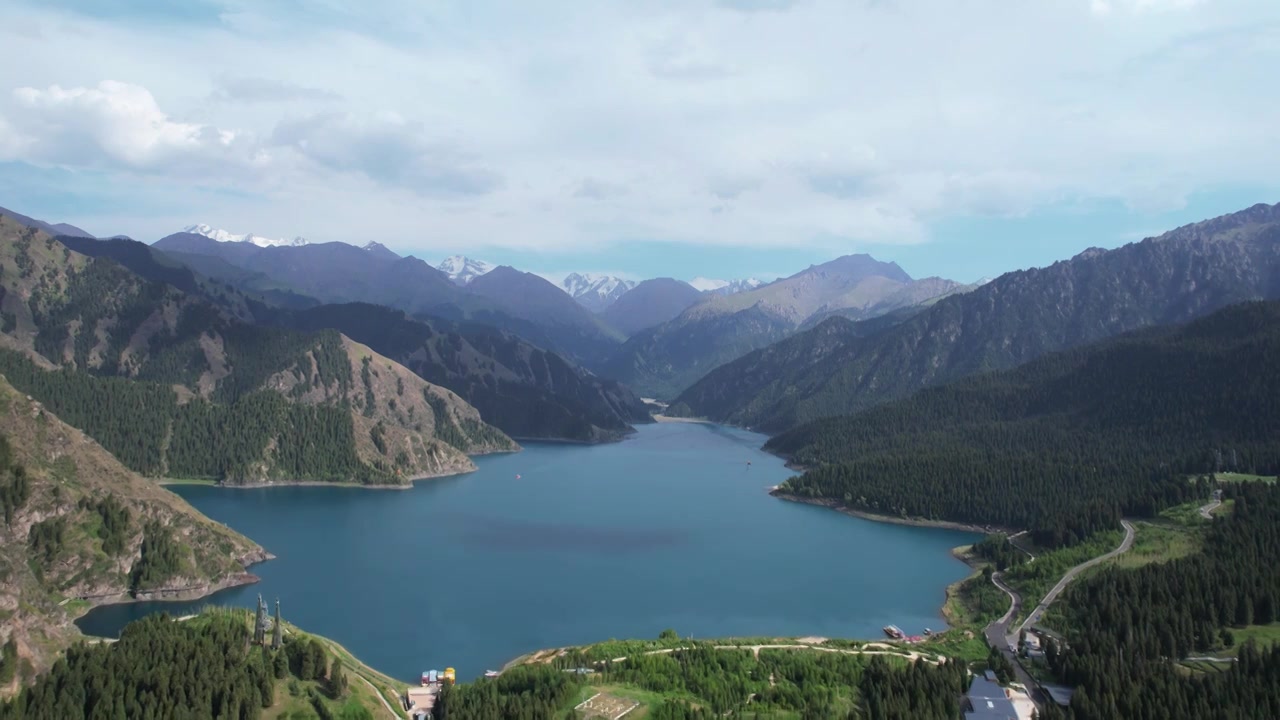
671 528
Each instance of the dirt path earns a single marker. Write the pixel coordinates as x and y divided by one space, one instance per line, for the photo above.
381 697
1206 511
755 651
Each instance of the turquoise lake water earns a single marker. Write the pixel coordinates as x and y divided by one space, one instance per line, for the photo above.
670 528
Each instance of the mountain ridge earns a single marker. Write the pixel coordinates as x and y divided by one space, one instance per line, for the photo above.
1066 443
462 269
225 236
664 360
595 291
1175 277
649 303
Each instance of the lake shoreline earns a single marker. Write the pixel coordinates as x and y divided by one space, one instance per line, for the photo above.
176 595
407 485
877 517
675 419
963 553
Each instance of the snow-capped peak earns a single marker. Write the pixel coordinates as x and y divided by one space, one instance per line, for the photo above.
462 269
224 236
578 284
725 287
595 291
702 284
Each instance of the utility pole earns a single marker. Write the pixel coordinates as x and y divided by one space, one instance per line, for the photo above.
277 632
260 623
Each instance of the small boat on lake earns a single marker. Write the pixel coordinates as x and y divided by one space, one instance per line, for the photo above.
491 673
894 632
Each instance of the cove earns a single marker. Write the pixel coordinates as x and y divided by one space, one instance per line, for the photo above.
670 528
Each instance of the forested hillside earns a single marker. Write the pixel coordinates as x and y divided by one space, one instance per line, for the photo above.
77 524
205 667
526 391
1066 443
215 396
1179 276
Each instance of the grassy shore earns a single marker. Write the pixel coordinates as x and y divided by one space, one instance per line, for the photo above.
974 601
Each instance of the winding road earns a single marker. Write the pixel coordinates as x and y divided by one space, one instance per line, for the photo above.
998 633
1071 574
1206 511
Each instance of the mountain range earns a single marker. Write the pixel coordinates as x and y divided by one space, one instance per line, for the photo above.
662 361
224 236
833 338
525 390
724 287
594 291
833 370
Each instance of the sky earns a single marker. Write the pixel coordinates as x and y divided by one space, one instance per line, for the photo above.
682 138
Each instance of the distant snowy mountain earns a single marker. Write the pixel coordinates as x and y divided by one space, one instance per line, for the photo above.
725 287
595 291
224 236
463 270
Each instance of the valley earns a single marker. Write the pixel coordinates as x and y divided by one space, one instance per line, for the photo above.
728 360
303 373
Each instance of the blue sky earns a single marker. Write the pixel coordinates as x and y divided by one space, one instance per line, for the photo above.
718 138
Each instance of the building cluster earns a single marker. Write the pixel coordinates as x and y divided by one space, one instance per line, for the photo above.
986 700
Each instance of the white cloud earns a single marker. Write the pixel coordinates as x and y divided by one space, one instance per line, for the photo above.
559 125
112 125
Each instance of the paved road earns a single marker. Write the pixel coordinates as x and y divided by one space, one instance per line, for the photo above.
998 632
1000 635
1073 572
1206 511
